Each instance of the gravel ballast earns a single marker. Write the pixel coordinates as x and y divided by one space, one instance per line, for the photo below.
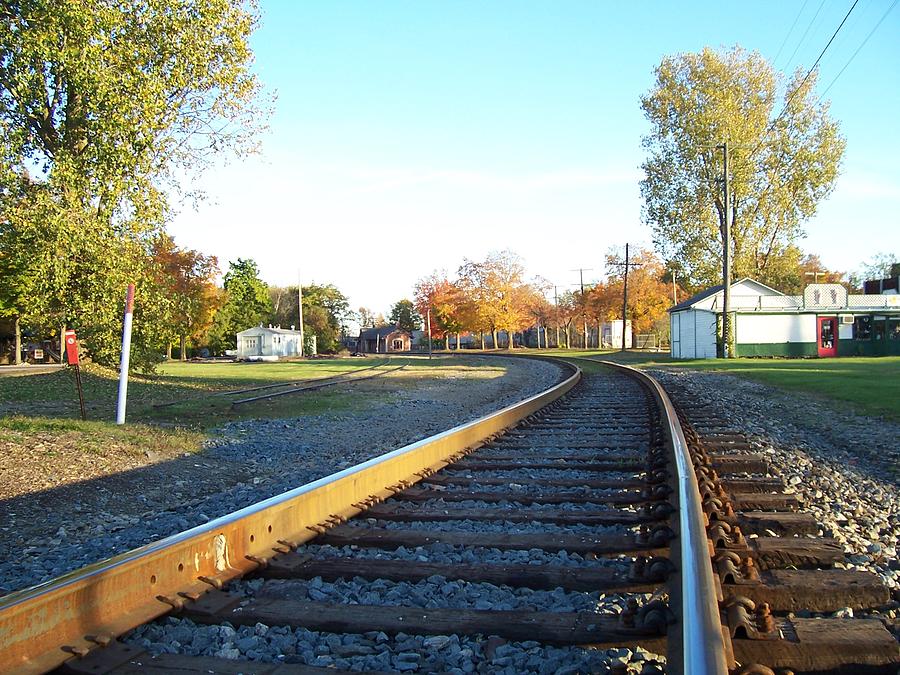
247 461
376 651
845 467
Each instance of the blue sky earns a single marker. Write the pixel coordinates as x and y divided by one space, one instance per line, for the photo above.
408 135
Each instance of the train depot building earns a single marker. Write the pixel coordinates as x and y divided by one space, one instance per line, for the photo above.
384 340
262 343
824 321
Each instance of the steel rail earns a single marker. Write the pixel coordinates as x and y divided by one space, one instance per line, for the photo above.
703 645
293 383
313 386
43 626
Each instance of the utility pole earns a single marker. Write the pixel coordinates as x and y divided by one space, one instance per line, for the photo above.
581 271
626 265
556 304
726 257
300 307
815 275
674 288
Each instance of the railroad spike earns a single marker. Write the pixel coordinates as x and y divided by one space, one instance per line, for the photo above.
215 582
102 639
174 602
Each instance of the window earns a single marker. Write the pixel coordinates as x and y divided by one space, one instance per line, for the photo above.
894 329
397 344
878 328
862 328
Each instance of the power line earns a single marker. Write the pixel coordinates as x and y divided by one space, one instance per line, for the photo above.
809 72
853 56
825 48
805 33
791 31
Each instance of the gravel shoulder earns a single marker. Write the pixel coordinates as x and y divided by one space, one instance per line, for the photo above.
44 534
846 467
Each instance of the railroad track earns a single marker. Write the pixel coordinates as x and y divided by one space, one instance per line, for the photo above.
557 546
286 388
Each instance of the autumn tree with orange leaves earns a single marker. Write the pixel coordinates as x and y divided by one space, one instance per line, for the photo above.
649 295
192 298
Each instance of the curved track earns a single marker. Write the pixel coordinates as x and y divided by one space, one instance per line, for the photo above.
576 539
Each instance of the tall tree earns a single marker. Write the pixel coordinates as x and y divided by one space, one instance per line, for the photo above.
188 278
365 317
404 315
247 304
785 160
880 266
103 105
498 290
649 296
326 312
436 296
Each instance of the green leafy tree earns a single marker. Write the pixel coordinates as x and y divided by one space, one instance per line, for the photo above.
326 312
404 315
880 266
247 304
102 106
785 161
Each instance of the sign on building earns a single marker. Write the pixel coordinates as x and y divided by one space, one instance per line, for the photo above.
825 296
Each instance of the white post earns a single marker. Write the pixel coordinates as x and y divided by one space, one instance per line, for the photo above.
126 355
428 319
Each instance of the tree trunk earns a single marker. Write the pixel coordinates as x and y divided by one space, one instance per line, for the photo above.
168 350
568 337
494 338
17 357
457 341
447 341
481 335
183 347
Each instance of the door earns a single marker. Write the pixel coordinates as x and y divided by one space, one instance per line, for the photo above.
827 335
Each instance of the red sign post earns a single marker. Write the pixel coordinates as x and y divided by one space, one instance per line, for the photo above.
71 348
72 358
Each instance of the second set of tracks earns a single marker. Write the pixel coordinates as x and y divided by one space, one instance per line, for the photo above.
600 534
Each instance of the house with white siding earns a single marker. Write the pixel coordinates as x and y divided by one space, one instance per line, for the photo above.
824 321
263 343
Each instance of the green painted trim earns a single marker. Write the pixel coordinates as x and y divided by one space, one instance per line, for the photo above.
884 347
787 349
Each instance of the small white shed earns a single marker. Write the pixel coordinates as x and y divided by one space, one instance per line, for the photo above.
693 322
268 343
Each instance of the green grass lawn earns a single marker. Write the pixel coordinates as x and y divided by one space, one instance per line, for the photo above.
42 406
188 384
868 385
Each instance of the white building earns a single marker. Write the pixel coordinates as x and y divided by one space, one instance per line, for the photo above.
264 344
611 334
824 321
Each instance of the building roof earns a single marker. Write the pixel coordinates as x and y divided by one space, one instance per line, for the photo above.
713 290
382 332
270 329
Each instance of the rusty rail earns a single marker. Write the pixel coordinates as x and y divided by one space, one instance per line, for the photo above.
43 626
703 649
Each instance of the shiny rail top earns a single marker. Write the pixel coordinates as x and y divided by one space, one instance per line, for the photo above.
702 638
43 626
